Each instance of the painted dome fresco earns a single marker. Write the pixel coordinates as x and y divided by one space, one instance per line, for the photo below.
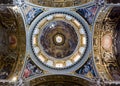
59 42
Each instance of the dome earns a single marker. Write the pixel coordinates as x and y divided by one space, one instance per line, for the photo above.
59 43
